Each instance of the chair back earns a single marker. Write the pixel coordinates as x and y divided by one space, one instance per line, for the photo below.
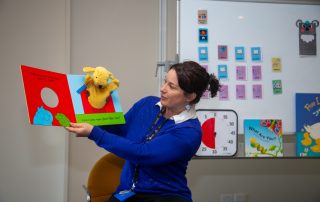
104 178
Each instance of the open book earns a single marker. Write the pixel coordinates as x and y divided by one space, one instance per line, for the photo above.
72 101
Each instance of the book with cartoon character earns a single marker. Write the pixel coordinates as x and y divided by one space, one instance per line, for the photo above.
263 138
308 124
72 104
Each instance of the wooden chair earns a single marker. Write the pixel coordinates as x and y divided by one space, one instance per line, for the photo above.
104 178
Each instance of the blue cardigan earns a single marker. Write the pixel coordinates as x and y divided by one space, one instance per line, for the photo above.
163 160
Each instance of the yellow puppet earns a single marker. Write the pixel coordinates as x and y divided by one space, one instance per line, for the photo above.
100 83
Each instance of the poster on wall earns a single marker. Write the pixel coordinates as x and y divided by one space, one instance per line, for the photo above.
307 37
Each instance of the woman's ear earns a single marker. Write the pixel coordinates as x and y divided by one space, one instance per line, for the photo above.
191 97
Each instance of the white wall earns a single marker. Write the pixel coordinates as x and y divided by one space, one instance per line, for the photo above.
32 159
122 36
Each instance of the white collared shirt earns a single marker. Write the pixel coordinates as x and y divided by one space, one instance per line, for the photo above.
183 116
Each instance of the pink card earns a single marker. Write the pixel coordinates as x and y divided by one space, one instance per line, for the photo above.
205 66
205 95
241 92
224 92
241 73
257 91
256 72
222 52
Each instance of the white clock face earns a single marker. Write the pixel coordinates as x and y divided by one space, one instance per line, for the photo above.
219 132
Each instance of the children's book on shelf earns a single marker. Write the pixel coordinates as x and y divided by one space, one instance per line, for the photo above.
263 138
72 100
308 124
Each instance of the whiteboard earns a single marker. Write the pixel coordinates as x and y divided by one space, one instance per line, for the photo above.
269 26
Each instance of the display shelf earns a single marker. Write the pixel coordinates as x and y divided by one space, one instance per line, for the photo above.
289 143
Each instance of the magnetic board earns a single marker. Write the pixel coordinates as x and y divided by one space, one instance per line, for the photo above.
272 27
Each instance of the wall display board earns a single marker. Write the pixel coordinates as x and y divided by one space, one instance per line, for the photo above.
253 48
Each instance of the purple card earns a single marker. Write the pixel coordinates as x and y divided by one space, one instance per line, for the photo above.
224 92
256 72
222 52
257 91
241 73
241 92
205 66
205 95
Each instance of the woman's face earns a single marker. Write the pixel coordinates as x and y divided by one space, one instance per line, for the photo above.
172 96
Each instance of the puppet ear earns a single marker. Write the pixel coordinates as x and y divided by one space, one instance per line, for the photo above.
315 22
298 22
88 69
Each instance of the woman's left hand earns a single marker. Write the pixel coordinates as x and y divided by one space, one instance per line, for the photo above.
80 129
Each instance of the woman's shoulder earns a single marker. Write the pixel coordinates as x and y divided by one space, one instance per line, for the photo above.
192 126
191 123
145 103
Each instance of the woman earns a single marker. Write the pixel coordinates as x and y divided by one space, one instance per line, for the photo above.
159 138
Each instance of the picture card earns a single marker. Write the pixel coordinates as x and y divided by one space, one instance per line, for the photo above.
222 52
256 54
203 35
276 64
240 92
205 66
202 16
223 72
277 87
239 53
224 92
257 91
256 72
205 95
203 54
241 73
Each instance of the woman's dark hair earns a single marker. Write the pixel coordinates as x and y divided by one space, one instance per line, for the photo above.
193 78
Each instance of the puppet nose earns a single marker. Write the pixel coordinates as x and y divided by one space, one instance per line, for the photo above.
100 86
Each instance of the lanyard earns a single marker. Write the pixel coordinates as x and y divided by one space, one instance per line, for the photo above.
151 136
148 138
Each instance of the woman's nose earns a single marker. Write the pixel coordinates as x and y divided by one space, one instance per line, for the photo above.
162 89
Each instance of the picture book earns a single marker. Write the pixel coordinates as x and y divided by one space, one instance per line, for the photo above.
308 124
263 138
72 100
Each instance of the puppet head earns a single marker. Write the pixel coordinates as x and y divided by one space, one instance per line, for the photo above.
100 76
